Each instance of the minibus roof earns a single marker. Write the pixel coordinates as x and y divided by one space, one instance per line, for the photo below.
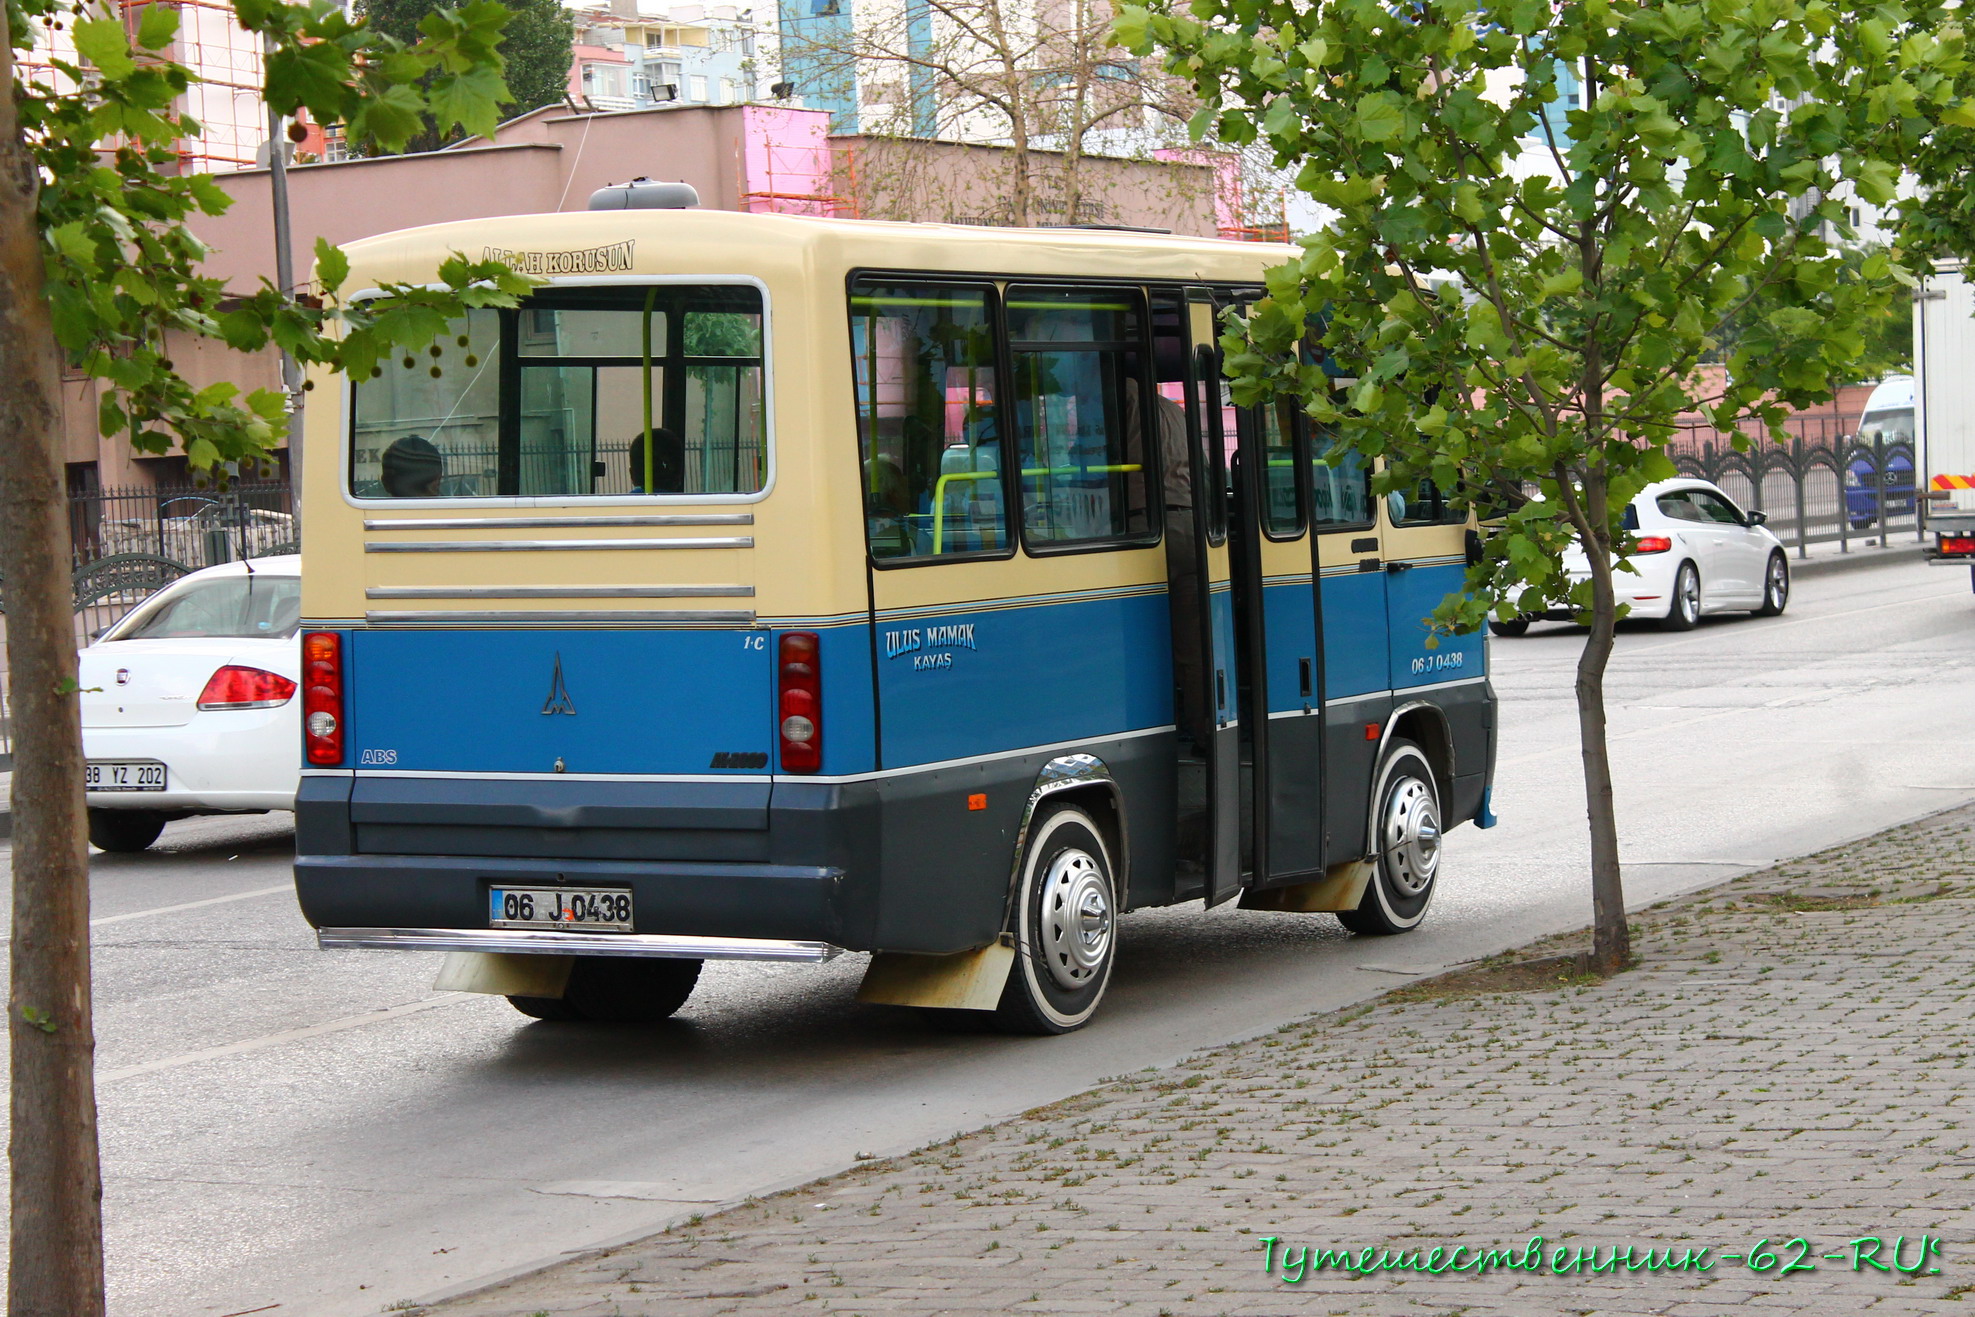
584 245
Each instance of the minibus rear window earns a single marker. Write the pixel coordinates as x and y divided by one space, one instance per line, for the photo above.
581 392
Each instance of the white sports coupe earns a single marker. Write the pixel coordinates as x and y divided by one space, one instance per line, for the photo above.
1697 553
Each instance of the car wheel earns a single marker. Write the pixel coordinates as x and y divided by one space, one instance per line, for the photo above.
1406 841
1775 587
1683 611
1514 627
125 830
617 990
1066 927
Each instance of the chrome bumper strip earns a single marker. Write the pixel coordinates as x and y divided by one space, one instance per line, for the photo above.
547 942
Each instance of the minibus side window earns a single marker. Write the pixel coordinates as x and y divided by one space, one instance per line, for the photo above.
1340 486
1423 505
1081 414
927 426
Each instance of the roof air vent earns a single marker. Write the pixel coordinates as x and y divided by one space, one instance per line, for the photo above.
643 194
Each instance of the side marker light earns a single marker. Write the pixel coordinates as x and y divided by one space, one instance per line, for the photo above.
977 801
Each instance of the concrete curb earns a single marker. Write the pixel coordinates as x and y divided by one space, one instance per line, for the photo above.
1857 560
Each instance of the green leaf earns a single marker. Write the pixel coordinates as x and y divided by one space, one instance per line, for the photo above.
1380 116
332 267
101 41
157 24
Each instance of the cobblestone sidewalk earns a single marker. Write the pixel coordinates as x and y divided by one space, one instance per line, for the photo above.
1789 1061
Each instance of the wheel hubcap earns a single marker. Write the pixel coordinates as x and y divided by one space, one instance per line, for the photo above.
1779 581
1076 918
1410 830
1690 595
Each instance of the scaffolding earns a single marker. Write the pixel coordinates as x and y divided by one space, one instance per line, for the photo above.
224 98
787 165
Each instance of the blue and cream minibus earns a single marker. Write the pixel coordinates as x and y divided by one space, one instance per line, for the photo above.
768 587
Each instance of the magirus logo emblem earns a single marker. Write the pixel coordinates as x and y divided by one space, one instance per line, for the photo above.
558 701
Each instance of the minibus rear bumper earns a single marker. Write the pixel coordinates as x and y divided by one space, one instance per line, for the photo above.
544 942
447 893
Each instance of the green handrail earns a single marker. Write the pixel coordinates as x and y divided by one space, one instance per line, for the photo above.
939 487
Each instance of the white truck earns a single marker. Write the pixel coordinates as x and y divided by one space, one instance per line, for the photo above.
1942 396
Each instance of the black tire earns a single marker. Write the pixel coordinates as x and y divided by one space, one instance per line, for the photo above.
1683 610
1515 627
1066 926
617 990
1406 828
1775 587
125 830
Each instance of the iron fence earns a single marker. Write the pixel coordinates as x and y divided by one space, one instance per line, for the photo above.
1813 490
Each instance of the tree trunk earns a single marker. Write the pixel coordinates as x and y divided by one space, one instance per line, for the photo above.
1611 938
56 1264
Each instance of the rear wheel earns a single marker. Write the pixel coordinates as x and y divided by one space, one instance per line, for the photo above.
617 990
1775 587
1065 927
125 830
1514 627
1683 611
1406 833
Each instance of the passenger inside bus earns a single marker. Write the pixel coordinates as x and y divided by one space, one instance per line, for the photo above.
668 463
413 468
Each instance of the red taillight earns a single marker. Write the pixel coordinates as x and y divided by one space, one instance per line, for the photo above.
799 697
235 687
322 697
1957 544
1653 544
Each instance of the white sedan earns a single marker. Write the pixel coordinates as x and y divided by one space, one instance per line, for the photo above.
1697 553
188 703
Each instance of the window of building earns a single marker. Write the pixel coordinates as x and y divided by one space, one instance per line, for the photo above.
923 365
726 91
1341 492
699 89
1081 408
560 397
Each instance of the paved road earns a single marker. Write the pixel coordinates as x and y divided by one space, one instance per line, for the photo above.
323 1133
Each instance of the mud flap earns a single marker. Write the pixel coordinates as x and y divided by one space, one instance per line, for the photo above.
504 975
970 981
1341 888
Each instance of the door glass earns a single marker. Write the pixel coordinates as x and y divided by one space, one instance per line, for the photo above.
1213 442
1282 510
1713 507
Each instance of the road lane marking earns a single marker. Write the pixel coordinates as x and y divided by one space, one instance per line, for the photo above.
285 1036
1808 621
191 905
